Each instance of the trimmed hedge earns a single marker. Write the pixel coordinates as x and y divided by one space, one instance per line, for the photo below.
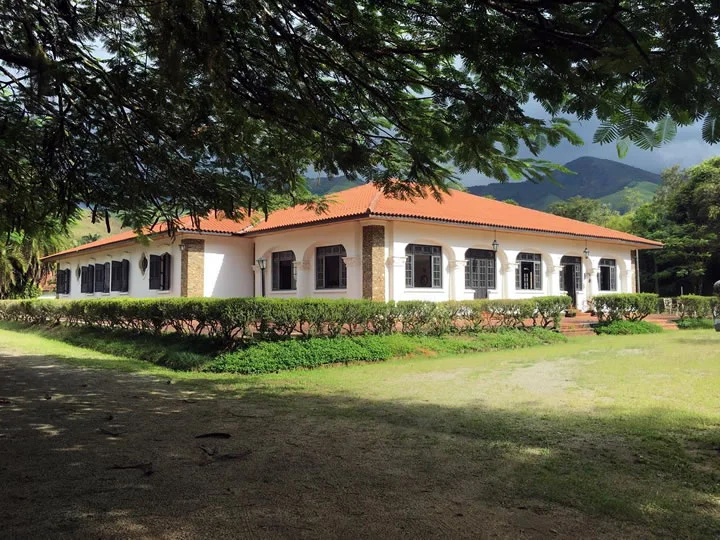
269 357
271 319
693 306
626 328
629 307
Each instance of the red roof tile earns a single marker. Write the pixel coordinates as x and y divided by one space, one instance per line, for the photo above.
455 207
210 224
369 201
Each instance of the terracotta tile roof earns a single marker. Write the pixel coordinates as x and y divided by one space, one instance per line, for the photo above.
369 201
455 207
210 224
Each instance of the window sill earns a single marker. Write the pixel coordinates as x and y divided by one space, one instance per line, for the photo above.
330 290
162 292
425 290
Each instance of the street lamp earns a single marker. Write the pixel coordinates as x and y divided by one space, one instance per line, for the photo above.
495 245
262 264
586 251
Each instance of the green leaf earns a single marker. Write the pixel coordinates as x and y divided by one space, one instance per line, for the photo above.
606 133
622 147
665 130
711 129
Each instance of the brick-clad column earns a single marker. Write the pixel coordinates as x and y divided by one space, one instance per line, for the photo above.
373 263
192 267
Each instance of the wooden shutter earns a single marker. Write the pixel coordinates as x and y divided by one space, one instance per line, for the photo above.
59 285
115 279
99 277
125 275
106 277
91 279
83 279
68 277
155 272
166 266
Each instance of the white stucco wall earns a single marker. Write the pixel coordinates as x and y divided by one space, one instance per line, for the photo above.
230 270
228 266
303 243
138 286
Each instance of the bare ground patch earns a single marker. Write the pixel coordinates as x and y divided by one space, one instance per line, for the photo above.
100 454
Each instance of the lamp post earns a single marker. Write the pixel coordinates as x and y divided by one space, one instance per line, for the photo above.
495 245
262 264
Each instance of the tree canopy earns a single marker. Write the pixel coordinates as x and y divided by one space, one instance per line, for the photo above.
158 109
583 209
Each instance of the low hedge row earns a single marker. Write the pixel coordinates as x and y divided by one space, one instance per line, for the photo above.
629 307
269 357
693 306
263 318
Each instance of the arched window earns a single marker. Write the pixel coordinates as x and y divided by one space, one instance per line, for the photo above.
480 271
330 269
528 273
423 266
607 276
283 271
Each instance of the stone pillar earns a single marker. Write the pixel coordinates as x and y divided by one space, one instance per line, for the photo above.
457 280
192 267
373 263
553 280
354 279
303 284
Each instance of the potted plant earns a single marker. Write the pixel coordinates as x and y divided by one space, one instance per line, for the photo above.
571 312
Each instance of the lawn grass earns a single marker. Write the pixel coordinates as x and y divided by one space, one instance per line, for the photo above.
622 427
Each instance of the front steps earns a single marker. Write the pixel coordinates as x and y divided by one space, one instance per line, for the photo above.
582 324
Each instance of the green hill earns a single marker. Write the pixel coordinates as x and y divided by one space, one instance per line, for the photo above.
84 230
594 178
325 185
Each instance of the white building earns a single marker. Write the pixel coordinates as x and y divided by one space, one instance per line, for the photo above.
365 245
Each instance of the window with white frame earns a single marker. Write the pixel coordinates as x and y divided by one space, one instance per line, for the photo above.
330 269
528 273
283 271
607 275
423 266
479 269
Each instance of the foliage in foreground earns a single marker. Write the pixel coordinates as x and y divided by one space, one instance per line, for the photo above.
627 328
236 319
271 357
696 324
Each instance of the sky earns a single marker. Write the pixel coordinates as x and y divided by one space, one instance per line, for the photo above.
686 150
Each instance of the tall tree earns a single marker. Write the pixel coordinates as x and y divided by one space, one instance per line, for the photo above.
583 209
155 109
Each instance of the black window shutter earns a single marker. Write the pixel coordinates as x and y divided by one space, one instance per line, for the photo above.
59 285
125 275
68 277
106 276
91 279
115 278
83 279
155 272
166 272
99 277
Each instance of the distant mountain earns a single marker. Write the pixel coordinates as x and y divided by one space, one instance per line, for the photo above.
614 183
325 185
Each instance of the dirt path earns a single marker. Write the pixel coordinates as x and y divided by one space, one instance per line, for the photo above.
98 454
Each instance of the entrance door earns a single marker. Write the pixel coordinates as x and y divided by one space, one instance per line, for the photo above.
571 277
480 271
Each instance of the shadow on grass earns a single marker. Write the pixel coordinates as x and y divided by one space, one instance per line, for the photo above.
307 464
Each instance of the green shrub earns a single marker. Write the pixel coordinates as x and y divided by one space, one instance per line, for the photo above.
630 307
623 328
268 357
693 306
235 320
696 324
